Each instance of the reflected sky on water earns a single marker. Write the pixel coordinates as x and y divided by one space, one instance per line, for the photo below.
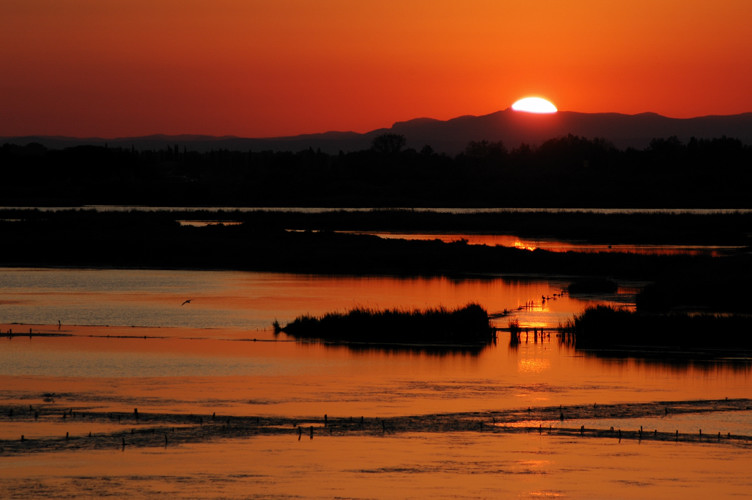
136 343
131 343
252 301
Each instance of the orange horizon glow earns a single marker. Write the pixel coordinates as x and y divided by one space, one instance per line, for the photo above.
263 69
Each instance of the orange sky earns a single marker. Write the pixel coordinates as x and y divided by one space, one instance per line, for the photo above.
280 67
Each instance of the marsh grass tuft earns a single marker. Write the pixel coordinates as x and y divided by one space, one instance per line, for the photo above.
468 324
608 327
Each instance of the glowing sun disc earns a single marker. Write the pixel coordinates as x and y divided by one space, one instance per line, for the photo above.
534 105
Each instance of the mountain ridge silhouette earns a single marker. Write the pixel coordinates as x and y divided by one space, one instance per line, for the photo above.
451 136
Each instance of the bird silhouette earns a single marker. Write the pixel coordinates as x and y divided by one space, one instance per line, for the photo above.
186 302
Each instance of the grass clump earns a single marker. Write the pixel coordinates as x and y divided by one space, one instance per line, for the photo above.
608 327
468 324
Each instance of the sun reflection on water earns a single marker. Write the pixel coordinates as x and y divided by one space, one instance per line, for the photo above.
533 365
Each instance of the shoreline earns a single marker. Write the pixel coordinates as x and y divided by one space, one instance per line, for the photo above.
264 241
233 249
718 228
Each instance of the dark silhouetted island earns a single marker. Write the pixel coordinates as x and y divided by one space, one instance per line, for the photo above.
465 325
713 335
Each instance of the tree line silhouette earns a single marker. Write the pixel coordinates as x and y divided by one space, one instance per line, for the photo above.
567 171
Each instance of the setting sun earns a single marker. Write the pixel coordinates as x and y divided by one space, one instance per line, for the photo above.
534 105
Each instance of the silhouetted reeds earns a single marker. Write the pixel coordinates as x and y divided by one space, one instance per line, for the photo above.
709 291
468 324
608 327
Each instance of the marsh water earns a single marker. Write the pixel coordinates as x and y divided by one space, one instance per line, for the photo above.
201 342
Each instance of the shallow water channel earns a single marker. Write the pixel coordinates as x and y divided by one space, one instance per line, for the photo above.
130 340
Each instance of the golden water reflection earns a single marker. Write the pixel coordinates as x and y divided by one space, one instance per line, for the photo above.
252 301
470 465
533 365
183 373
129 343
219 351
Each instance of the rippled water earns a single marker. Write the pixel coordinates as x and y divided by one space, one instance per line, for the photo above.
250 301
131 324
131 343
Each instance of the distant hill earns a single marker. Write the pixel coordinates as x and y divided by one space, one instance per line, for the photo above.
513 128
451 136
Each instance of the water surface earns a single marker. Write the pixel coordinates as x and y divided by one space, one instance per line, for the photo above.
130 342
131 330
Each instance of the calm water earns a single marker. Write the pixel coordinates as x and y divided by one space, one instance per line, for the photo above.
224 332
454 465
135 345
252 301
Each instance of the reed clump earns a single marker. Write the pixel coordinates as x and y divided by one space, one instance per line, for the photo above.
609 327
468 324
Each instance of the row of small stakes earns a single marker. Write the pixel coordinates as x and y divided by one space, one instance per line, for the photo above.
167 429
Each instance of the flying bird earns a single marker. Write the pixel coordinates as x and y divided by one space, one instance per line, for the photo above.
186 302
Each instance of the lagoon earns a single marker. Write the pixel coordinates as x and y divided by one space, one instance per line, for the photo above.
130 324
129 343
